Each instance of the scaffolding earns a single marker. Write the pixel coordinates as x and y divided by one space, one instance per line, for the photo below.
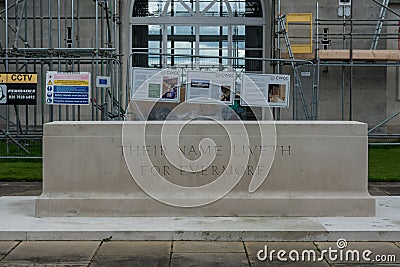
354 48
52 36
73 36
63 36
351 59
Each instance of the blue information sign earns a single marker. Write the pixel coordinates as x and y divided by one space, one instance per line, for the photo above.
68 88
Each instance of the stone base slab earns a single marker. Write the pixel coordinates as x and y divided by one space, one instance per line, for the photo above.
280 206
19 223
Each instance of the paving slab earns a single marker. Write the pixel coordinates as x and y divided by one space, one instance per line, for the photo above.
391 191
130 261
124 248
376 191
364 265
207 247
124 253
52 253
253 247
20 188
388 188
6 246
209 259
272 249
352 252
257 263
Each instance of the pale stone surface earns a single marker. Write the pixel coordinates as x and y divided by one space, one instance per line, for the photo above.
52 252
204 246
85 173
19 223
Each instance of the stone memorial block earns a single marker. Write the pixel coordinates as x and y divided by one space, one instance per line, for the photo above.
127 169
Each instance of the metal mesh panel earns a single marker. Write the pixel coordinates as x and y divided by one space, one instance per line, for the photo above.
299 29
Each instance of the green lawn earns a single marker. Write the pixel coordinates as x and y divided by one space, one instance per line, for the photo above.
20 170
34 147
384 165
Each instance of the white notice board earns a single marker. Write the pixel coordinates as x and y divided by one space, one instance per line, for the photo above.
204 87
156 84
265 90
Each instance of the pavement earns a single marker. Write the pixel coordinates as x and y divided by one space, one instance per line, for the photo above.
20 188
32 249
184 253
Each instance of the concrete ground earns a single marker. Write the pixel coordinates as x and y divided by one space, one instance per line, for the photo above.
190 253
193 253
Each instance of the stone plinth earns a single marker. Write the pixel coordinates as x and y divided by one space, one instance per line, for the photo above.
319 169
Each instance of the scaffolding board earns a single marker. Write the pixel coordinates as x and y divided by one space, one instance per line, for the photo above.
367 55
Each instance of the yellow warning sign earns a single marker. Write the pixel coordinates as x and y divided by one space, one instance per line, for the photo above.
18 78
49 83
72 82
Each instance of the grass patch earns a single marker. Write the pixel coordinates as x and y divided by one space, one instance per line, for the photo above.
21 170
34 147
384 164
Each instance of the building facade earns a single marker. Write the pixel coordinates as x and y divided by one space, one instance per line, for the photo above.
109 37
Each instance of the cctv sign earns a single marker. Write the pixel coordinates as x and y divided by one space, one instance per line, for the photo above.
18 88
